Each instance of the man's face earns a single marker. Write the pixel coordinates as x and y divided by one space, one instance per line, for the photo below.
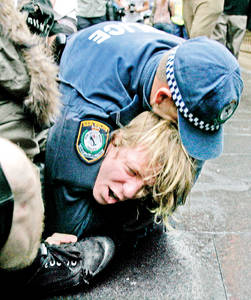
121 175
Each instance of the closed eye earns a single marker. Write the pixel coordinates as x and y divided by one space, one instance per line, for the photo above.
131 172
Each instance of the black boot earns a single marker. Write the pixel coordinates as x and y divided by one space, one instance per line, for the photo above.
59 268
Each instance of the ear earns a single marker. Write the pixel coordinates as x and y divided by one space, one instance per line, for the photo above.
114 144
116 138
114 141
163 105
161 95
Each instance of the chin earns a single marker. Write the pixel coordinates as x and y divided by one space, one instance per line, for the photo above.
100 200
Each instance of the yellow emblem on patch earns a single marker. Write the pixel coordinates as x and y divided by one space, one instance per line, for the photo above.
92 140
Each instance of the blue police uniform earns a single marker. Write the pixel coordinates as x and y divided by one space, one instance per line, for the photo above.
106 75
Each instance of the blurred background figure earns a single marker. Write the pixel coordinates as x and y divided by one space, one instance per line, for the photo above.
53 20
114 10
90 12
67 11
178 24
161 15
200 16
134 10
66 8
249 17
232 23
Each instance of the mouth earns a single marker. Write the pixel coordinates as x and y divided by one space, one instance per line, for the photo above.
113 198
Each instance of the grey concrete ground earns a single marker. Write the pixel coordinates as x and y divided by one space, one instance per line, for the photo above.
208 255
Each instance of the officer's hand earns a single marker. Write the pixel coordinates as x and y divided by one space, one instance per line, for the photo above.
61 238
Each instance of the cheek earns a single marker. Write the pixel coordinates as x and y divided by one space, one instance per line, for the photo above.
104 174
111 167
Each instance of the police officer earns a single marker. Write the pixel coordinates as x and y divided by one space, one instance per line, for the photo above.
111 72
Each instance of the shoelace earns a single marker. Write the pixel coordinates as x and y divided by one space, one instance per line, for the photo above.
67 252
59 255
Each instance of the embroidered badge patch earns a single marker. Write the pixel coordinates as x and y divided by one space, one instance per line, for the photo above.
227 111
92 140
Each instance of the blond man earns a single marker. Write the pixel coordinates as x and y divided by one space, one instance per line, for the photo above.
145 174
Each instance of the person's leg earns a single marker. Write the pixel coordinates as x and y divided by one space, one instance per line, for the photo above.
220 31
82 23
24 239
164 27
167 28
97 20
236 32
176 30
206 14
158 26
188 14
184 32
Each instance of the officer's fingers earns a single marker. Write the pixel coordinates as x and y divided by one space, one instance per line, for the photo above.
61 238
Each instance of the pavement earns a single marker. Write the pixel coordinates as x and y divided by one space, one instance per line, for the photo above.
207 256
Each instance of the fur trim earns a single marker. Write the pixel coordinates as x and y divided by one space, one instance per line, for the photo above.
43 97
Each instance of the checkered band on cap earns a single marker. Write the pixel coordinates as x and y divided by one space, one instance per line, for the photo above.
177 98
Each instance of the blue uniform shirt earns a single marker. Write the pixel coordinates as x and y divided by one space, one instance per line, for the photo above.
106 74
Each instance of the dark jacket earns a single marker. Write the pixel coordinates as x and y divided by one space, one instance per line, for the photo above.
236 7
29 93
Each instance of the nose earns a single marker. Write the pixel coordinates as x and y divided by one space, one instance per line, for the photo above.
131 188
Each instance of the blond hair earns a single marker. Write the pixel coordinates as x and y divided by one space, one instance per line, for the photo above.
172 168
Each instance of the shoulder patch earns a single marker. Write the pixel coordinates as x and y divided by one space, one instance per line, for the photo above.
92 140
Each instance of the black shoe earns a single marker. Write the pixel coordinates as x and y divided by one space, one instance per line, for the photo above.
69 265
